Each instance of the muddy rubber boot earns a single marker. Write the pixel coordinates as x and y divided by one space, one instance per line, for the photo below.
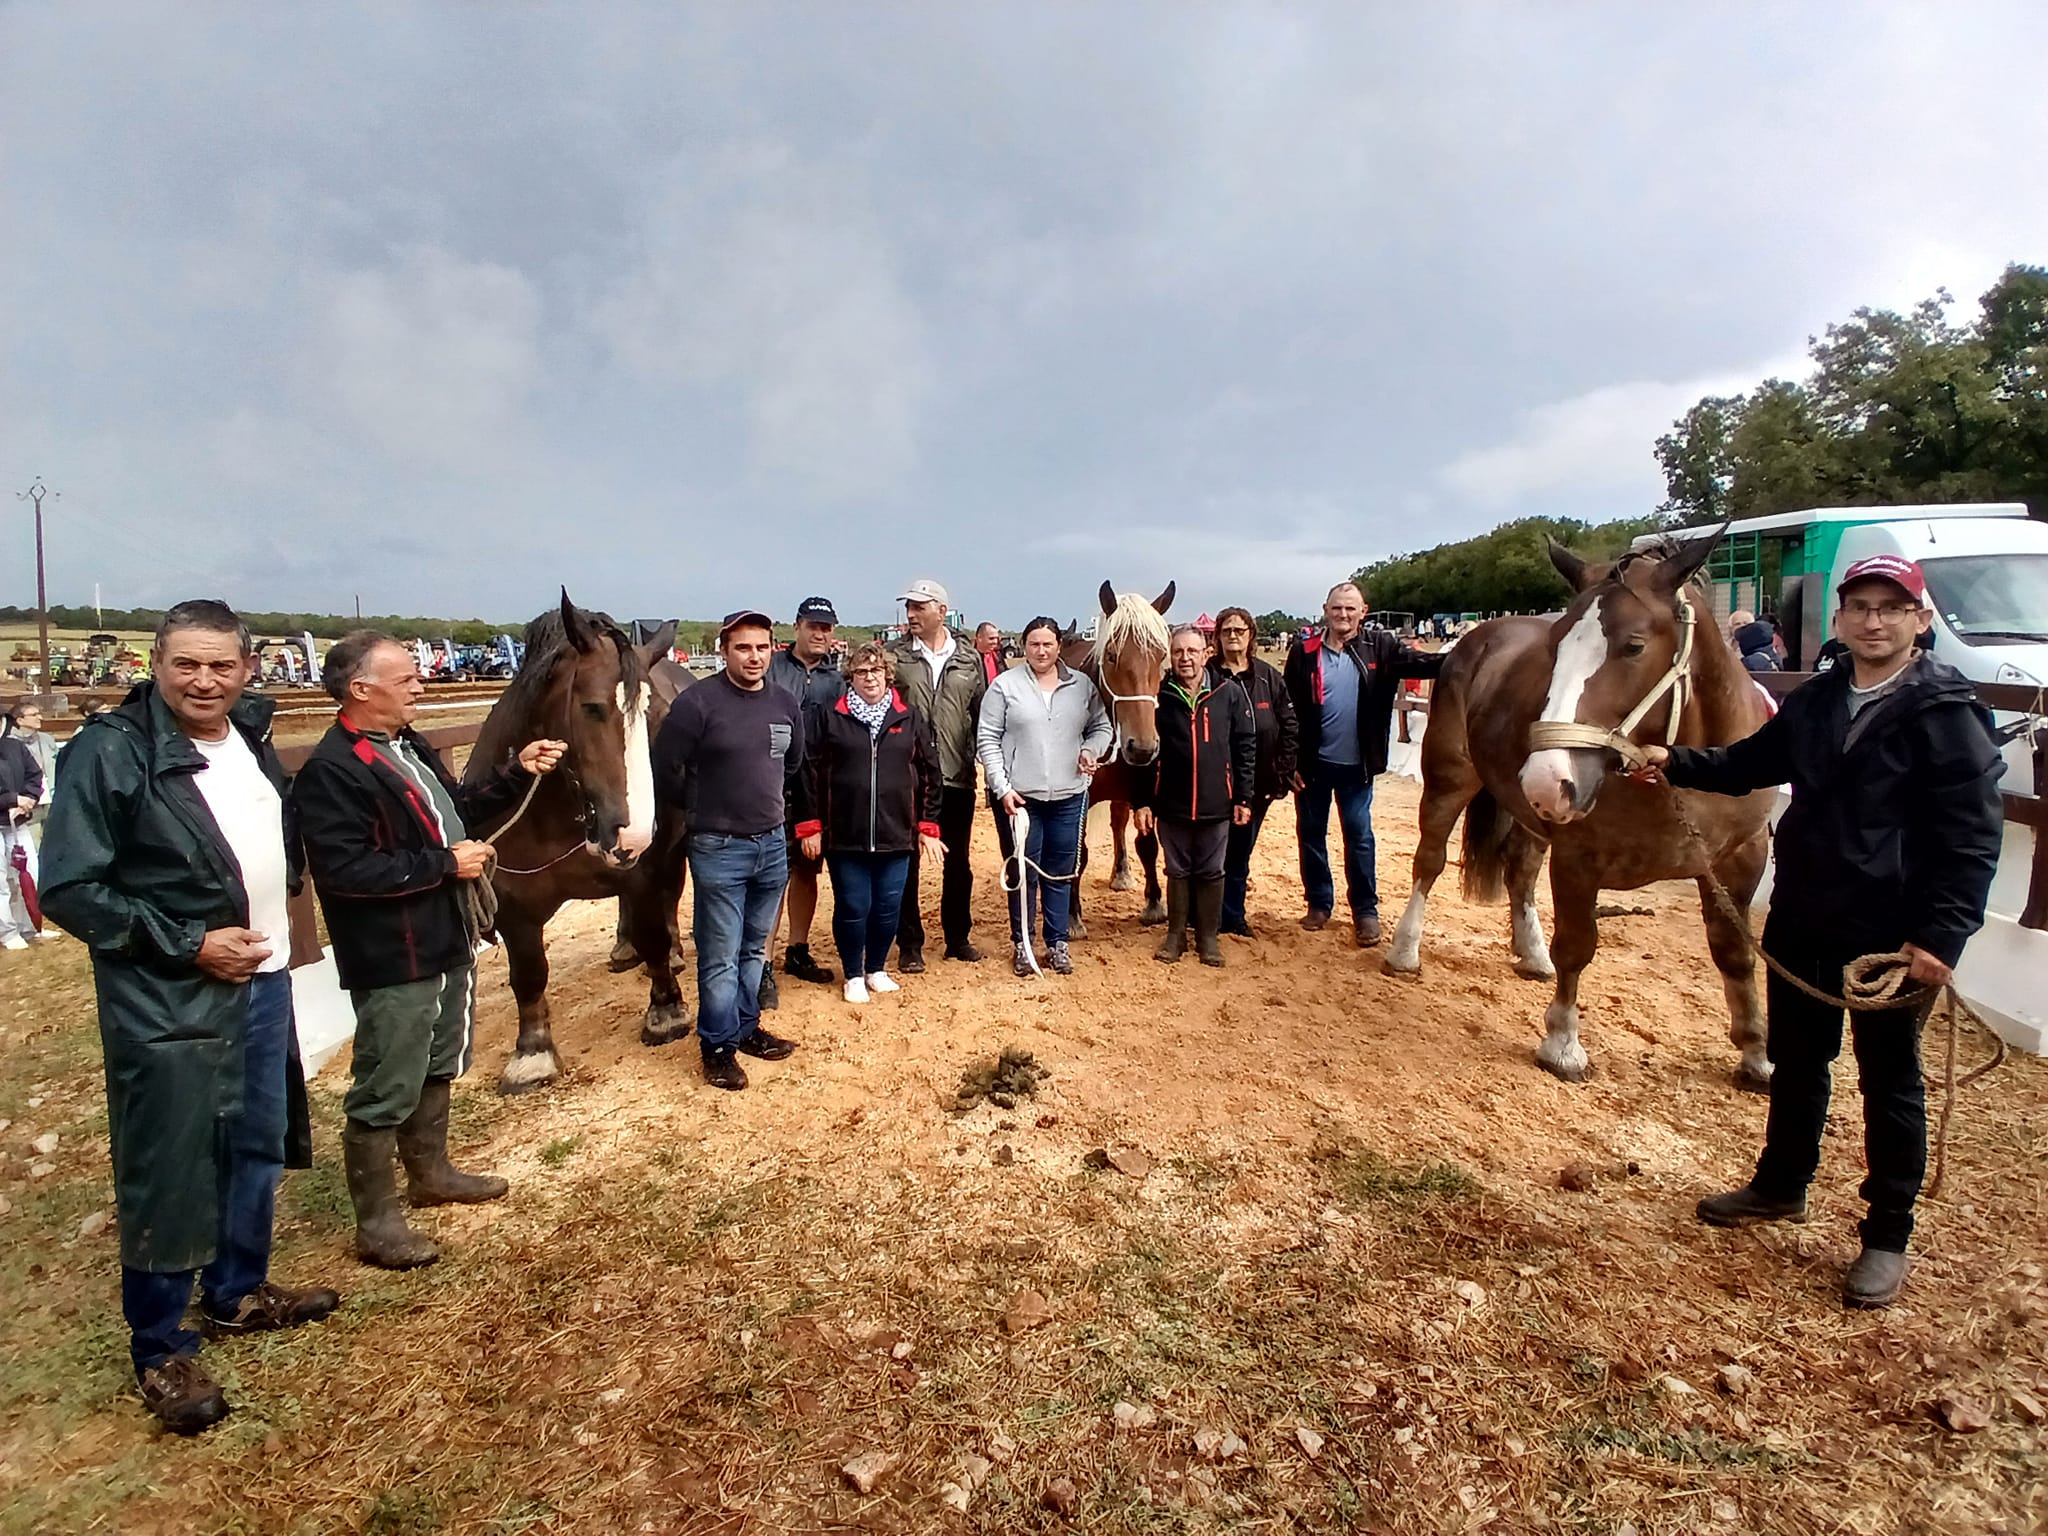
1175 944
1208 905
382 1236
430 1179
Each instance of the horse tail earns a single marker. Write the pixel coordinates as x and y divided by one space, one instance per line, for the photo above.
1483 869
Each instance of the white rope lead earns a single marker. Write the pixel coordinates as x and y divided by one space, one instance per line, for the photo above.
1020 829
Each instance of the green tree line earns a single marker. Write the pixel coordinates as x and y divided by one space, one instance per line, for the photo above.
1505 571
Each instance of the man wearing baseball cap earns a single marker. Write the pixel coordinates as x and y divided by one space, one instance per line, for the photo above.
728 755
942 679
1889 844
808 670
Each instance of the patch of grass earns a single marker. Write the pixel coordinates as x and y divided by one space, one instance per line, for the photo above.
319 1196
1690 1447
557 1152
402 1512
1361 1176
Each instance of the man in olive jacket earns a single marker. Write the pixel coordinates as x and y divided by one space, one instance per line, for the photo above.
942 679
169 853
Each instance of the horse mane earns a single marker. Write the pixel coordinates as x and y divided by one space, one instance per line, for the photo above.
1135 620
517 716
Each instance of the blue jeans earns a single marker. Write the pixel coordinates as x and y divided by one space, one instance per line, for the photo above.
739 883
1054 845
867 904
252 1138
1237 864
1351 786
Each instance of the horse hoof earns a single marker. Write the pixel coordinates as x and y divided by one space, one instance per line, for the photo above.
665 1026
1076 929
1154 914
1123 880
1390 967
623 958
523 1074
1566 1072
1529 972
1748 1080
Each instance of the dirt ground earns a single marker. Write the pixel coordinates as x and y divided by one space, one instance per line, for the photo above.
1328 1281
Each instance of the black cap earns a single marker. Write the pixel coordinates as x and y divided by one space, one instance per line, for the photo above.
746 616
818 610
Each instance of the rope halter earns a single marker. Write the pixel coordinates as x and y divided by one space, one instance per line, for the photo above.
1677 682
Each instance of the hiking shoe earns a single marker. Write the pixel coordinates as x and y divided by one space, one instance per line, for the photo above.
797 962
1021 961
721 1070
1875 1279
1744 1207
182 1396
1315 920
1058 960
910 961
1366 930
267 1308
964 950
763 1046
882 981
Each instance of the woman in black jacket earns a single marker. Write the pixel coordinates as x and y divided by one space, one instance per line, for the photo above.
873 785
1273 720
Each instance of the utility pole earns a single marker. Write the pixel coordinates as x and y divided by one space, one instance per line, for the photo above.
35 494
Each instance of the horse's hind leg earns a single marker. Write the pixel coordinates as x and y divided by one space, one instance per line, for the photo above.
1735 958
1120 876
625 955
1525 861
1442 803
1155 906
654 937
1573 895
534 1062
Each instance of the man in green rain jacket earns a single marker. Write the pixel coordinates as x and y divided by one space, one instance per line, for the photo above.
168 853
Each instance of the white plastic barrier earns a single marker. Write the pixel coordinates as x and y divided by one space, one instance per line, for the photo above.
325 1018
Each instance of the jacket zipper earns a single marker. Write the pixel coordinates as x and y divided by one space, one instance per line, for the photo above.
874 753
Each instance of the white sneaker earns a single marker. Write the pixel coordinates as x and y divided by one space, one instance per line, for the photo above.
13 941
856 990
881 981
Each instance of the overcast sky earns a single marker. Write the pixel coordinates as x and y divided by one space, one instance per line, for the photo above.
692 307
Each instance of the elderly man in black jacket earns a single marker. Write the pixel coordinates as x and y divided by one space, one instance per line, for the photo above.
387 842
171 854
1342 680
1889 844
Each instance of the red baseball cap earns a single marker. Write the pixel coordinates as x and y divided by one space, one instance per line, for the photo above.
1896 569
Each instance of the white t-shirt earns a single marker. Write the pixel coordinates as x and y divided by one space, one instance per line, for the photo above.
936 660
251 818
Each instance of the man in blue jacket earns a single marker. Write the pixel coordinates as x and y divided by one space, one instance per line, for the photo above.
1889 844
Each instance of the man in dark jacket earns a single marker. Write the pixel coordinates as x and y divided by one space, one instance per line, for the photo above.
387 842
1200 787
1889 844
171 853
808 671
1278 742
21 791
1343 679
942 679
1756 643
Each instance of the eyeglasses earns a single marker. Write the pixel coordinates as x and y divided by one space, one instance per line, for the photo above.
1891 613
1233 629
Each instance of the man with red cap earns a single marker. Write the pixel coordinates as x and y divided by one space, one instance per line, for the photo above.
1889 844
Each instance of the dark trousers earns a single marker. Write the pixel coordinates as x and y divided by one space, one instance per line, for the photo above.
253 1141
1351 787
1237 864
956 890
1006 844
867 904
1805 1037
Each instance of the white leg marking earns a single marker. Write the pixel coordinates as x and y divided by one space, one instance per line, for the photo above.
538 1067
1532 951
1560 1050
1406 952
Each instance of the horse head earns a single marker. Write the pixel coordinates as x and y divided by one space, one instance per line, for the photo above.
1621 658
1130 664
585 682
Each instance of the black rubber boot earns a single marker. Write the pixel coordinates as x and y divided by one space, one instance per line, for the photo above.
382 1236
1208 905
1744 1207
430 1179
1175 944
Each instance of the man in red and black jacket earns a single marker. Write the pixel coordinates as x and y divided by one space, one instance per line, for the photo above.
1200 787
385 826
1343 679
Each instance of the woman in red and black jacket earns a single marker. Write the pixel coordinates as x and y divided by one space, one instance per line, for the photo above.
1199 788
870 803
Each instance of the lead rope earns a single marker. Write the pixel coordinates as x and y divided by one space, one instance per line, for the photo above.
480 897
1870 984
1020 829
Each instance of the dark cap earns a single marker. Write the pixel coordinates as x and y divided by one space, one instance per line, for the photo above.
818 610
746 616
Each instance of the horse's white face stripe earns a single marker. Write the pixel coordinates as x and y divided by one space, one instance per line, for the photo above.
638 833
1579 656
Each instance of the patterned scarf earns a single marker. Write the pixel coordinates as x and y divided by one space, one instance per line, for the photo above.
869 715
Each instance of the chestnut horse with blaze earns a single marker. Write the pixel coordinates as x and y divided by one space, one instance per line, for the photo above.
1529 723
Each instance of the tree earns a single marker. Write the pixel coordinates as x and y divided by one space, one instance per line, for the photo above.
1505 571
1898 408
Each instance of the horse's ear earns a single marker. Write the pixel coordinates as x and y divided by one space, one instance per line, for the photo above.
1675 570
1108 596
1573 568
659 644
1164 600
574 630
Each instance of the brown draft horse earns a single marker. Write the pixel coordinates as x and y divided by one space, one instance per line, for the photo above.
593 828
1622 637
1127 662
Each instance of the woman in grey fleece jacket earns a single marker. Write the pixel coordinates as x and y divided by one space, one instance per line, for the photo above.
1043 725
